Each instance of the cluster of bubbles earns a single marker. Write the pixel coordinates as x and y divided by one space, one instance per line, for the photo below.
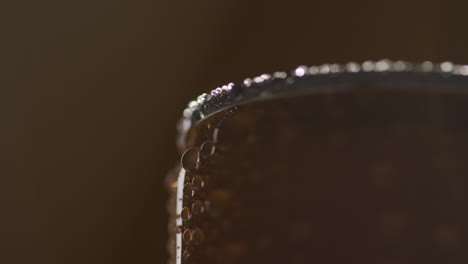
195 200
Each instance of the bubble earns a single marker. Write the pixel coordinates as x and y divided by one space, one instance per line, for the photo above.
186 255
198 236
197 207
187 236
300 71
353 67
188 190
190 159
207 149
186 214
197 182
446 66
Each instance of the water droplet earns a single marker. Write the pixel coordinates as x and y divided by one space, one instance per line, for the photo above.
353 67
280 75
314 70
427 66
382 65
188 190
335 68
198 236
187 236
197 207
300 71
186 255
324 69
190 159
186 214
207 149
400 66
197 182
446 66
368 66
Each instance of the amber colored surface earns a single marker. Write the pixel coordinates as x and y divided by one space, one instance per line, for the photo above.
362 176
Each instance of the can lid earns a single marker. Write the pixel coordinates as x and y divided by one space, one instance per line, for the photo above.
310 79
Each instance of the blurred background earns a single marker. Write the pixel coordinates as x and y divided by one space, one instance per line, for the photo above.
91 92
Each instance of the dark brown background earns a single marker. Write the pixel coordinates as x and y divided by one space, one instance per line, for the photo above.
91 90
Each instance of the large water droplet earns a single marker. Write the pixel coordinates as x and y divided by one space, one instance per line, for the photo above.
188 190
197 207
186 214
207 149
190 159
198 236
187 236
197 182
186 255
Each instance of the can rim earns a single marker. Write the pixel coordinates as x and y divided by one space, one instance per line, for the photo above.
266 86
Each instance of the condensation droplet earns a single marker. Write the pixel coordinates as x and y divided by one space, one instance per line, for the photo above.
427 66
187 236
353 67
198 236
197 207
207 149
446 66
188 190
368 66
186 214
300 71
190 159
197 182
186 255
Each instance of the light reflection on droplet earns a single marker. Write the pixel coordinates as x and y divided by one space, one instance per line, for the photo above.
300 71
446 66
207 149
190 159
198 236
353 67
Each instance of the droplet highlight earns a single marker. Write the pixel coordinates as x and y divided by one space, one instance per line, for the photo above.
190 159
